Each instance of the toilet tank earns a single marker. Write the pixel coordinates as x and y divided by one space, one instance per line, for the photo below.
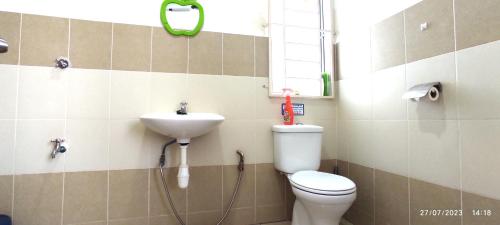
297 147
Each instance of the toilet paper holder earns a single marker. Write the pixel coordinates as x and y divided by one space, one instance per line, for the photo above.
432 90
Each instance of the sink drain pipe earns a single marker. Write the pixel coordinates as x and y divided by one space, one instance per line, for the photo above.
183 174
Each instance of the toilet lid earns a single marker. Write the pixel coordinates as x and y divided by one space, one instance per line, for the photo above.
322 182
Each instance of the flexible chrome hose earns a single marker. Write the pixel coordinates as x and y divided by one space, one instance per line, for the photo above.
235 192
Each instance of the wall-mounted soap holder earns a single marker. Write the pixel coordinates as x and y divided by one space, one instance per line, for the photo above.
431 90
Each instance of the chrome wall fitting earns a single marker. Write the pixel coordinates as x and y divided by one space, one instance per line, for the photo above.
59 147
63 63
4 46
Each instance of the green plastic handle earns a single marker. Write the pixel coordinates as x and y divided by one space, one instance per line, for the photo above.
178 32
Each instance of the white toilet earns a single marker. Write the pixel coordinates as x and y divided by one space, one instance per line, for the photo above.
322 198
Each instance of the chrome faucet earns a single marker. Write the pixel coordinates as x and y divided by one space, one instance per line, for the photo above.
183 108
4 46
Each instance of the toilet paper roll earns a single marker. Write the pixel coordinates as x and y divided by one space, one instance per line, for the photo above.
433 94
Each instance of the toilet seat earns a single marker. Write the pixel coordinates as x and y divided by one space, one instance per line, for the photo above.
322 183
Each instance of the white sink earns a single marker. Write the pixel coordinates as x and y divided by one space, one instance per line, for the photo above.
182 127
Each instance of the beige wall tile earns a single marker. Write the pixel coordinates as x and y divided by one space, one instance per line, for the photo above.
88 94
316 109
268 108
438 38
343 168
427 196
434 153
85 197
472 202
165 220
480 157
11 25
205 189
154 144
264 141
266 214
270 186
390 146
203 218
327 165
90 44
388 47
289 201
246 193
43 39
38 199
169 52
241 216
128 194
205 93
238 90
206 150
357 141
8 91
127 145
388 87
439 68
362 210
391 199
7 138
167 91
205 53
261 57
238 53
132 221
130 94
131 47
158 201
237 135
6 193
477 23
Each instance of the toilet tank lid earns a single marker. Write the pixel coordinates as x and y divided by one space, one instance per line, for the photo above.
297 129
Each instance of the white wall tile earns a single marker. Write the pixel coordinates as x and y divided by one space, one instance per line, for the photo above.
167 91
479 81
480 157
343 140
238 97
33 146
206 150
389 85
7 130
329 141
130 94
205 93
355 99
155 143
264 142
390 146
88 145
127 149
354 53
238 135
42 93
266 107
88 94
434 153
317 109
358 142
440 68
8 91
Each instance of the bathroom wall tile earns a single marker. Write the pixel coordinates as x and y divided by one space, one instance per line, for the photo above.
127 149
43 39
387 43
7 135
327 165
362 210
329 138
391 199
205 189
388 87
85 197
390 156
440 68
270 186
476 23
246 193
169 52
241 216
354 55
38 199
238 90
289 201
202 218
6 192
33 148
154 144
267 214
479 157
343 168
355 99
88 94
438 38
434 153
261 57
479 81
167 91
42 93
8 90
317 109
132 221
95 223
238 55
130 94
128 194
205 93
165 220
206 150
237 135
11 25
343 141
205 53
90 44
472 202
158 201
269 108
427 196
264 142
88 141
131 42
357 138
